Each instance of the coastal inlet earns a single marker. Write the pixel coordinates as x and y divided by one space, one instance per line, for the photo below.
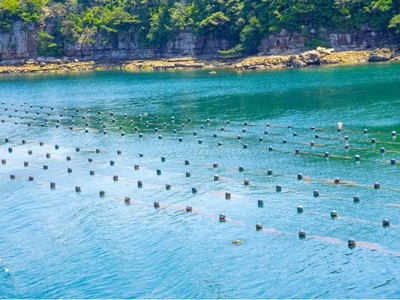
185 184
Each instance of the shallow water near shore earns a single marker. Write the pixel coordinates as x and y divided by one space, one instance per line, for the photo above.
59 243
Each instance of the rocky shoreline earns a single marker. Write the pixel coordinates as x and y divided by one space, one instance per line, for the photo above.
317 57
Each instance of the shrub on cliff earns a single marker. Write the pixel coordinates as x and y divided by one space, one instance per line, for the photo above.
46 45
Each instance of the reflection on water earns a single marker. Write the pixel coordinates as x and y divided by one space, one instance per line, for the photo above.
250 135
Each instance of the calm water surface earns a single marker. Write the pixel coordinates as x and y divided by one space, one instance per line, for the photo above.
59 243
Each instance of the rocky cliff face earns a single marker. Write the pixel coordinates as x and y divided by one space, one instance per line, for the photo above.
18 44
294 43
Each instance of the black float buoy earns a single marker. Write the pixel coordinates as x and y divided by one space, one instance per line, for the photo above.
47 155
216 177
115 177
315 193
228 195
357 157
102 193
326 154
336 180
269 172
127 200
90 160
356 199
302 234
284 141
351 243
392 161
300 209
26 164
245 146
222 218
68 158
112 163
10 150
119 152
382 150
200 142
260 203
158 172
167 187
259 227
365 131
215 165
69 170
3 162
246 182
194 190
45 167
297 151
188 174
299 176
189 209
270 148
377 185
56 147
12 176
385 223
30 178
140 184
187 163
334 214
91 172
78 189
278 189
373 141
241 169
162 159
312 143
136 167
52 185
394 133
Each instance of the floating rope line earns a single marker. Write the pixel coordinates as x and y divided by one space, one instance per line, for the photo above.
308 179
268 230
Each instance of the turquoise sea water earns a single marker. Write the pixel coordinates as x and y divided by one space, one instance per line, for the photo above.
59 243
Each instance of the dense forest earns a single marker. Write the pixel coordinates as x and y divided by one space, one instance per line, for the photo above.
242 22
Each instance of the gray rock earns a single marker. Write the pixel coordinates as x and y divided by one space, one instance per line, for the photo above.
311 57
297 63
378 57
383 54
